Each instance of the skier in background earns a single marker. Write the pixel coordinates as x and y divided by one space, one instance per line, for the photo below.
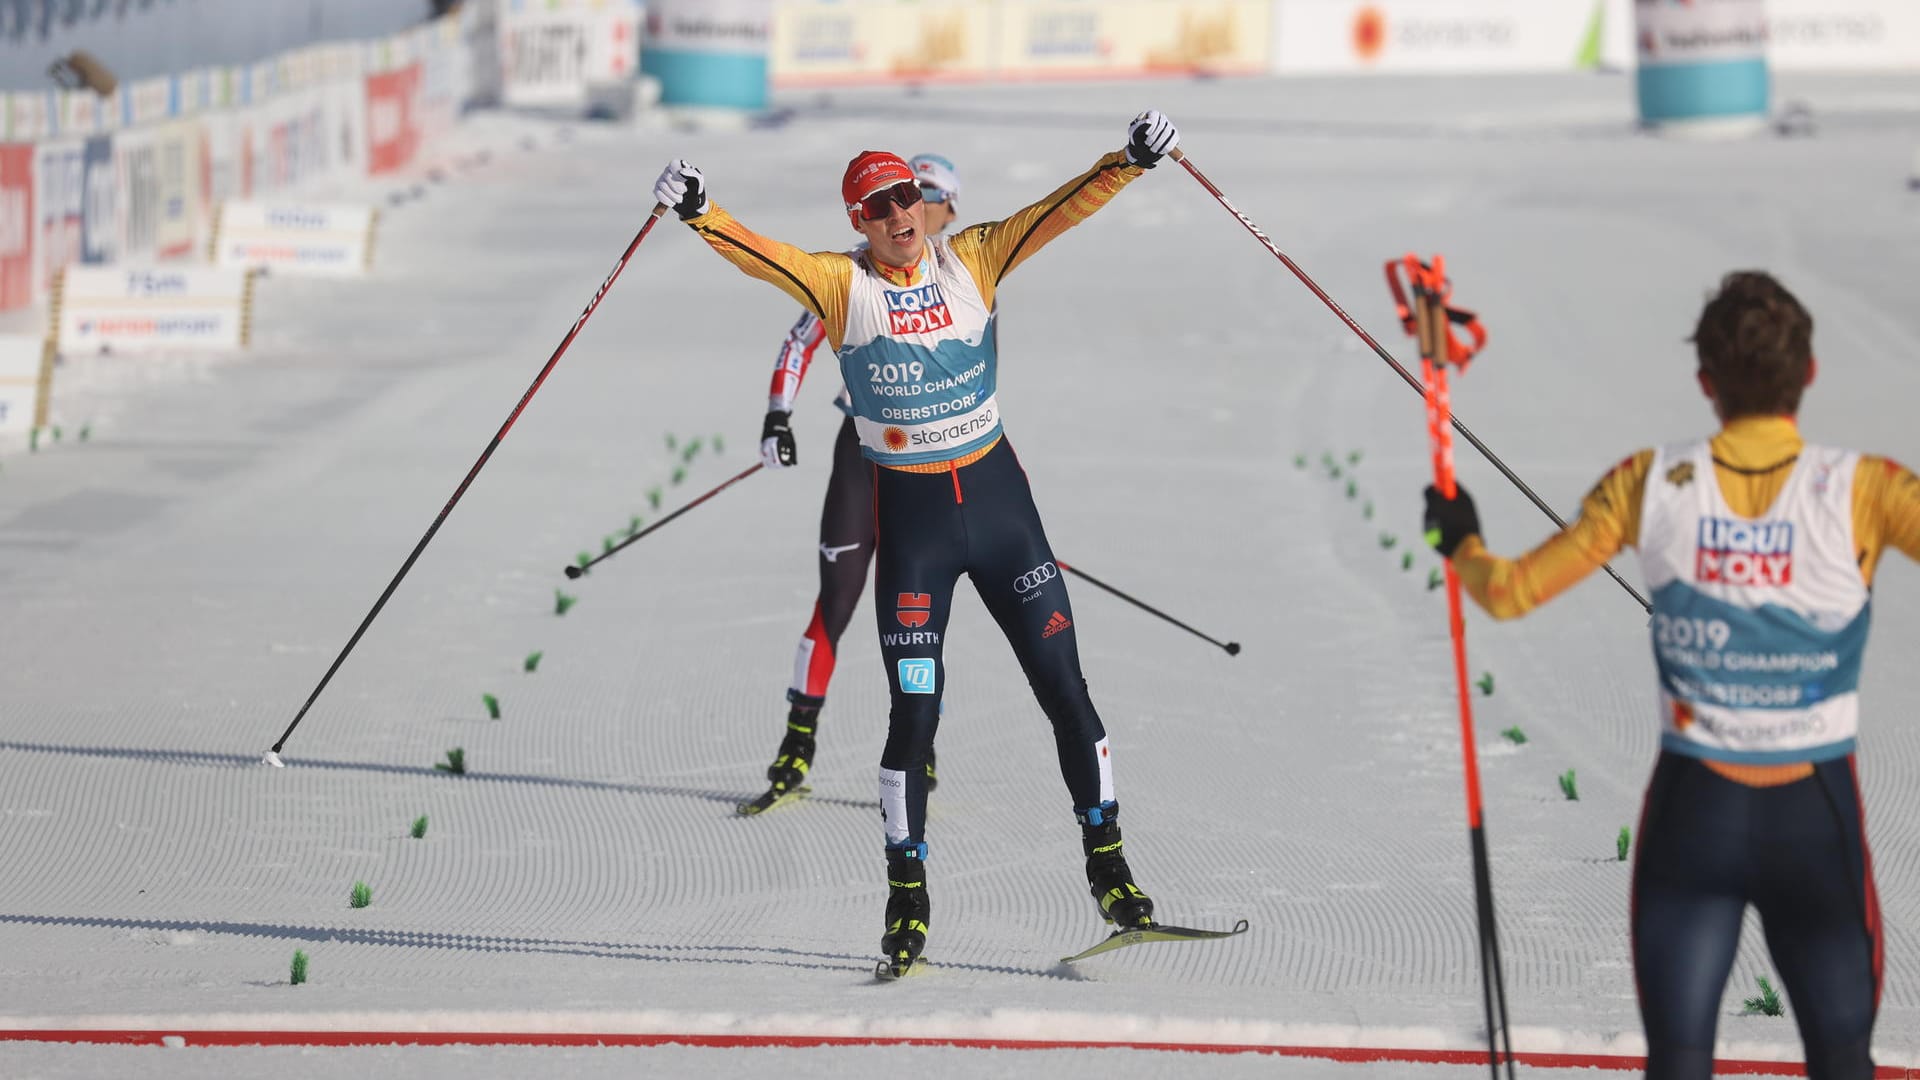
911 320
846 517
1760 550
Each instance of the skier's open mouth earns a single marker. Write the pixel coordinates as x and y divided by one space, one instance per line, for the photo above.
903 236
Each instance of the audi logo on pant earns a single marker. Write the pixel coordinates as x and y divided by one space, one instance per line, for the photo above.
1035 577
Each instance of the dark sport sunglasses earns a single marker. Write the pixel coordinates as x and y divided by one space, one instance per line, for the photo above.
878 205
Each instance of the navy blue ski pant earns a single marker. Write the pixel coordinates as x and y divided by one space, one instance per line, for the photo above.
1708 847
978 520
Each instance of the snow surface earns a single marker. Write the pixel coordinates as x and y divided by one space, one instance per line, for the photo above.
176 585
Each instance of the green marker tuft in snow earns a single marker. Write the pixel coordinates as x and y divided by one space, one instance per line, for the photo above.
1435 579
633 525
419 830
1623 844
299 973
719 445
561 602
1299 461
672 442
456 762
1406 561
1353 457
1485 683
1515 736
1387 540
362 896
532 662
1352 489
1766 1002
1568 787
493 705
679 474
1367 510
653 497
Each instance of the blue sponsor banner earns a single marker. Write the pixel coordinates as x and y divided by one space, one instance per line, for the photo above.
100 213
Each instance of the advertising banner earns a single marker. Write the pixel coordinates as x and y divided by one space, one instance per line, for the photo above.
1071 38
137 195
871 41
710 55
393 135
1412 36
1844 35
16 226
304 240
552 51
100 208
61 205
24 372
177 147
145 310
1703 63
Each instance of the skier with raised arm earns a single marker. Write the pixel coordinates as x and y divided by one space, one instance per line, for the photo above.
846 517
1760 550
911 320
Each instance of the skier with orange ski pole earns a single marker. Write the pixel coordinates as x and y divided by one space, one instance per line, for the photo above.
1759 551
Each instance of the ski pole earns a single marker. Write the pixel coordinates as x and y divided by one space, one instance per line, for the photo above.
574 571
1511 476
1438 347
1232 647
273 755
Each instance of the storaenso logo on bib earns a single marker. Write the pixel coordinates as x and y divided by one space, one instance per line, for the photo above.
958 431
1734 552
917 311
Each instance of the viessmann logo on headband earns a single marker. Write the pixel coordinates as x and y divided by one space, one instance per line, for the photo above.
1733 552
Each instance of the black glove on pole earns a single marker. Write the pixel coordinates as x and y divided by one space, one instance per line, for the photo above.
1450 521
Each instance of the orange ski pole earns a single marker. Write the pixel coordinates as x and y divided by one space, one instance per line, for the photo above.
1432 320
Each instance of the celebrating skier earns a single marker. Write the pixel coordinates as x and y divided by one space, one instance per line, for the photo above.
1760 551
846 518
911 320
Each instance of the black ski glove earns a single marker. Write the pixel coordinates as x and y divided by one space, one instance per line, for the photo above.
777 450
1450 521
1150 136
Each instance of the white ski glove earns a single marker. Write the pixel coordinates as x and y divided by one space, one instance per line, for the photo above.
682 187
1151 137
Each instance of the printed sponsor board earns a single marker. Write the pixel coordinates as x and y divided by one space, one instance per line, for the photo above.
143 310
1121 38
137 195
23 374
551 53
823 43
16 226
1368 36
393 136
307 240
1843 35
60 206
100 209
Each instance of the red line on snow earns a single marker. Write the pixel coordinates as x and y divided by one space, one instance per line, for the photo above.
1356 1054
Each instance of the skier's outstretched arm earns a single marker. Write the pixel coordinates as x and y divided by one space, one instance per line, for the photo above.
1886 510
1509 588
992 249
819 280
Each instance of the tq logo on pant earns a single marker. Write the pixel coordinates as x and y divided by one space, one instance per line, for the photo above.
916 675
1035 578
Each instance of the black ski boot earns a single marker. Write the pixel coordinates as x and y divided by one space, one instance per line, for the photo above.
907 908
1111 882
790 765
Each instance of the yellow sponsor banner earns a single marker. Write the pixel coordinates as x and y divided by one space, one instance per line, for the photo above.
865 41
1107 38
825 42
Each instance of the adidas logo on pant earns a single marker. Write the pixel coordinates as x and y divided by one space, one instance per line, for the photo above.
1055 624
